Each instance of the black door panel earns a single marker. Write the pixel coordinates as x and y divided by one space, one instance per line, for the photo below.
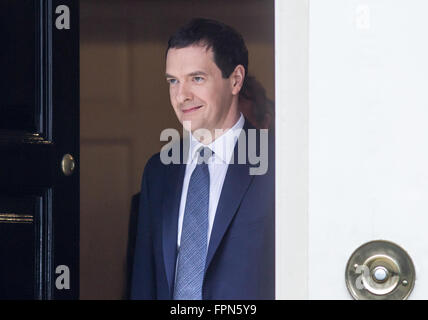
39 123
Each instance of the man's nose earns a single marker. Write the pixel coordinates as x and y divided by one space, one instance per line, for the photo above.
184 93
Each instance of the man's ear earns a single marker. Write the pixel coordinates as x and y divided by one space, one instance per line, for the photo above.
237 79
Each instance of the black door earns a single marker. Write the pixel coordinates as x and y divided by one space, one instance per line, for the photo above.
39 125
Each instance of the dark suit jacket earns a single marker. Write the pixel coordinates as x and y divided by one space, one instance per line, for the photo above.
240 260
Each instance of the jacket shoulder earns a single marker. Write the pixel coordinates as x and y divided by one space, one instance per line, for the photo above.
153 168
153 162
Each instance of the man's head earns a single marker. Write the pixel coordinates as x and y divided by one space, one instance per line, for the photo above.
206 65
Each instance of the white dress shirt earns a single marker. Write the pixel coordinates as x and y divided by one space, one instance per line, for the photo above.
222 149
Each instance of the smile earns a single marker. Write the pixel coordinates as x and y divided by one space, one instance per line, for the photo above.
191 109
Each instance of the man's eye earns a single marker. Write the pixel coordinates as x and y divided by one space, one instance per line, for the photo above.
198 79
171 81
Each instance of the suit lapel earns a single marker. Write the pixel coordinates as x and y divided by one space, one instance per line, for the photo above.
235 185
170 209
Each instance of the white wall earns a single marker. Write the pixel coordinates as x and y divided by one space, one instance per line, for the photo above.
367 130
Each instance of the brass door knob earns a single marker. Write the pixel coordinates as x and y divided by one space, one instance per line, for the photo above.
68 164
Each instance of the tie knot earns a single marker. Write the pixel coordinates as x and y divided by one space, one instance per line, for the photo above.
204 154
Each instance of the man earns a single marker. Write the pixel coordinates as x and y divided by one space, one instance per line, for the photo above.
206 226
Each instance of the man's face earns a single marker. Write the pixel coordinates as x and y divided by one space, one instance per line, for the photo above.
198 92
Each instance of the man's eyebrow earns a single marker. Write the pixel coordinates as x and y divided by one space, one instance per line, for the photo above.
197 73
192 74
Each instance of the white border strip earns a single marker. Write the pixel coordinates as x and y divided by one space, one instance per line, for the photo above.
291 99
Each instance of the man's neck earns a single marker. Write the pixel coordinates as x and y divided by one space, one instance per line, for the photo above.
216 133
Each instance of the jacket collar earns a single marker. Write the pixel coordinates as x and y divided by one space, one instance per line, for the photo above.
235 185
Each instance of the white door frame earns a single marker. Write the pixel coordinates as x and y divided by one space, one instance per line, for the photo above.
291 122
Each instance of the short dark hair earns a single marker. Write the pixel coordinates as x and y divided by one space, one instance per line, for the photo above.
227 44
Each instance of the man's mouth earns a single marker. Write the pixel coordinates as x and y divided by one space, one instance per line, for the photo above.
191 109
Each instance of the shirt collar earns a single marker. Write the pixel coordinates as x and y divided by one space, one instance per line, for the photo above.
223 146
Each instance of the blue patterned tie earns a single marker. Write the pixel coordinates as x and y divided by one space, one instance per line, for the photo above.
193 244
